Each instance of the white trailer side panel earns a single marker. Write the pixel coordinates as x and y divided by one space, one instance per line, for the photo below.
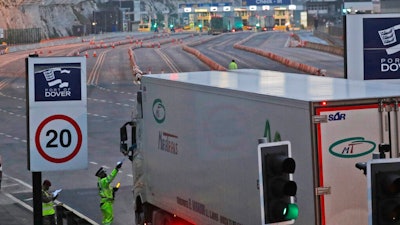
207 171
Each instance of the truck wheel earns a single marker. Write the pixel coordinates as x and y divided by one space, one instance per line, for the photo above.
139 212
139 218
161 218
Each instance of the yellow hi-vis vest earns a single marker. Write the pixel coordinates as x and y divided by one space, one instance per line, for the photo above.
232 66
48 208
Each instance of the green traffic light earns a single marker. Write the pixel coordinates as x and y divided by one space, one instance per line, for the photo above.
291 212
279 187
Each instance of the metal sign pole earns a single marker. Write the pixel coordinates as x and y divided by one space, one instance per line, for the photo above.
37 197
36 176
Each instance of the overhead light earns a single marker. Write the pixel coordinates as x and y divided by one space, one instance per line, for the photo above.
201 10
253 8
187 9
213 9
226 8
265 7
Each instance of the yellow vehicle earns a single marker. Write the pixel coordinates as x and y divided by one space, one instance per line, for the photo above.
282 19
145 23
144 27
3 48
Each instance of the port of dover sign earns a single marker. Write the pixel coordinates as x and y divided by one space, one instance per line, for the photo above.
373 46
57 113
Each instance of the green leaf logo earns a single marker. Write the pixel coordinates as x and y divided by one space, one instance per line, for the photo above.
158 111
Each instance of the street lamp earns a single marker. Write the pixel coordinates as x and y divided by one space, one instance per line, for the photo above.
94 23
94 27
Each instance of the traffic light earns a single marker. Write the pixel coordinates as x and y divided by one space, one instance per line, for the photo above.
277 188
384 191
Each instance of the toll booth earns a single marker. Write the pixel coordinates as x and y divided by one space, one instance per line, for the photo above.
251 15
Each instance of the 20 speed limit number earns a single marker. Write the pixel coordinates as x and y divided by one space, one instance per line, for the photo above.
58 138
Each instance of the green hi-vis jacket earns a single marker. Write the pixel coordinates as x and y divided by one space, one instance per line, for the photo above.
105 190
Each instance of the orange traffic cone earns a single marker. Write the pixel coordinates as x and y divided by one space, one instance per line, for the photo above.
94 54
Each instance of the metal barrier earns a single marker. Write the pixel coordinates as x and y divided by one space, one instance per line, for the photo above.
335 38
22 36
67 216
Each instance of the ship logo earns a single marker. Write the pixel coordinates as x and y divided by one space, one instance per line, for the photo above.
388 38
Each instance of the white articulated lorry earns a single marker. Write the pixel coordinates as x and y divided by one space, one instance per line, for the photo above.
195 144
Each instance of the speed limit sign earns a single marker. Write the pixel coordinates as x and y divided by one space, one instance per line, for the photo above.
57 114
58 132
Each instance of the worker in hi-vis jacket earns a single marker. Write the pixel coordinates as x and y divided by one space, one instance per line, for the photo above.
107 193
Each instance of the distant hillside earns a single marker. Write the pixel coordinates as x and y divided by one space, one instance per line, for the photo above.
56 18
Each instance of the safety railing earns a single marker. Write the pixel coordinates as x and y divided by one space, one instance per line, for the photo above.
68 216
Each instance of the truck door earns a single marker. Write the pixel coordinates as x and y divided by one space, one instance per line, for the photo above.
347 135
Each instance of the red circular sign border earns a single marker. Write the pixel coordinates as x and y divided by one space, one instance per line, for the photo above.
39 147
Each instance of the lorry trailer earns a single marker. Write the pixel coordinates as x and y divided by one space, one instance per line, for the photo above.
195 142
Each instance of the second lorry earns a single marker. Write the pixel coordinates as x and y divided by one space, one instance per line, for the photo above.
195 141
